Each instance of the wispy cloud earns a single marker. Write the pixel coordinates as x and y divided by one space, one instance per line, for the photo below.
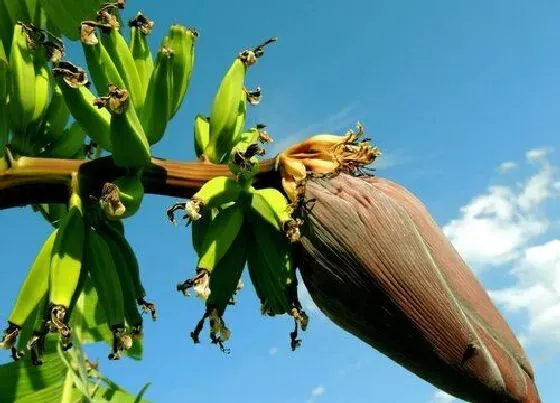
337 122
316 393
389 159
273 351
507 166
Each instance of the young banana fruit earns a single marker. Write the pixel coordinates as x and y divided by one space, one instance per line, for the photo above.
4 115
32 291
66 267
182 41
57 114
68 144
96 122
122 198
201 134
129 145
140 28
226 103
103 274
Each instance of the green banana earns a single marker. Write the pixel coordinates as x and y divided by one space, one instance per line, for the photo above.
218 238
201 134
216 192
104 277
32 337
132 316
43 90
57 114
182 41
129 145
122 198
225 106
116 234
273 207
120 53
96 122
272 271
68 144
140 28
53 212
33 289
66 266
101 65
21 79
159 96
4 125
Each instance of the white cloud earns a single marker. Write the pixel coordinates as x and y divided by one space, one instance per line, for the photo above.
494 227
316 393
507 166
441 397
273 351
537 292
536 154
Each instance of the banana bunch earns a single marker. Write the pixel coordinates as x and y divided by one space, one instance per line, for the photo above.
228 110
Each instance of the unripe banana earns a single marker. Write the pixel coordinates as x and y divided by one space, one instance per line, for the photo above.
159 96
225 106
271 205
68 144
43 89
53 212
218 238
140 28
21 79
57 115
80 101
118 50
66 266
115 232
201 134
32 336
104 277
122 198
33 289
59 15
216 192
182 41
129 145
101 65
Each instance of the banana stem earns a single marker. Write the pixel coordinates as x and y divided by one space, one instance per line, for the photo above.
30 180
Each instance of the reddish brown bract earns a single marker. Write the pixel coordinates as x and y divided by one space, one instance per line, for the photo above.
377 264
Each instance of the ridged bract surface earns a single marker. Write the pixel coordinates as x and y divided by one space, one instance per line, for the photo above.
376 263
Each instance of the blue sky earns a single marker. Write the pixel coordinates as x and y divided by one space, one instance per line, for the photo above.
461 97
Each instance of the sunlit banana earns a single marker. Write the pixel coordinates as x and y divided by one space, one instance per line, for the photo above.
101 65
57 114
66 266
104 277
122 198
43 88
201 134
21 79
140 28
182 41
272 206
120 54
225 106
33 289
216 192
115 232
159 96
80 101
129 145
68 144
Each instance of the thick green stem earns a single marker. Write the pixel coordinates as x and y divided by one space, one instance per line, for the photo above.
29 180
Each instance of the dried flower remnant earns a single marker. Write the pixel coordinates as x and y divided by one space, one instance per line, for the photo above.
373 268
